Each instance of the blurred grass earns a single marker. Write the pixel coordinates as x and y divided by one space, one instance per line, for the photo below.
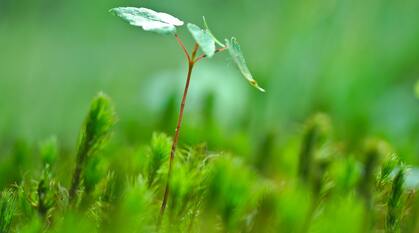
357 61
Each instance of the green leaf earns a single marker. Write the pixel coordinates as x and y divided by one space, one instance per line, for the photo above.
237 55
148 19
203 38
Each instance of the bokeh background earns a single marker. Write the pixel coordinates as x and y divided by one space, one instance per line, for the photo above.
355 60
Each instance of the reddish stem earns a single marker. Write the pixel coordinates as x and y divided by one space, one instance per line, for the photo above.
191 64
194 51
204 55
183 47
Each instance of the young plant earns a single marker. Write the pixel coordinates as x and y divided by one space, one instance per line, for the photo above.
157 155
95 131
44 199
395 203
373 155
166 24
316 135
7 210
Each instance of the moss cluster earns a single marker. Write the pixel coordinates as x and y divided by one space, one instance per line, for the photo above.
112 187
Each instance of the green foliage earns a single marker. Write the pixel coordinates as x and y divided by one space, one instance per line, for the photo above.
215 192
33 226
238 58
95 169
388 167
203 38
7 210
93 135
19 161
395 203
316 133
102 197
97 125
164 23
188 185
294 206
212 192
136 211
148 19
344 215
346 174
73 222
374 154
332 190
233 190
157 155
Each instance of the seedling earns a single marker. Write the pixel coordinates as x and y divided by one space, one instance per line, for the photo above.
205 41
93 135
395 203
7 209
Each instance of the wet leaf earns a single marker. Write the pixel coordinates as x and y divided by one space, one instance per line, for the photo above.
203 38
148 19
237 55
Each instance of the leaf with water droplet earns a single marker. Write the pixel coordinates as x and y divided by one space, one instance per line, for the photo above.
203 38
237 55
148 19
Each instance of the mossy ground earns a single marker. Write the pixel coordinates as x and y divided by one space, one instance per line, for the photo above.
312 185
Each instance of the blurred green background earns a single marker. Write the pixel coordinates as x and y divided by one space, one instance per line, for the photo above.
357 61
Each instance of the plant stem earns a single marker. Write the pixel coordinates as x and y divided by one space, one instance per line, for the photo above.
191 64
183 47
204 56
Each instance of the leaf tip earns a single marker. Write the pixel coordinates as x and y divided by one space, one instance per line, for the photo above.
113 11
261 89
